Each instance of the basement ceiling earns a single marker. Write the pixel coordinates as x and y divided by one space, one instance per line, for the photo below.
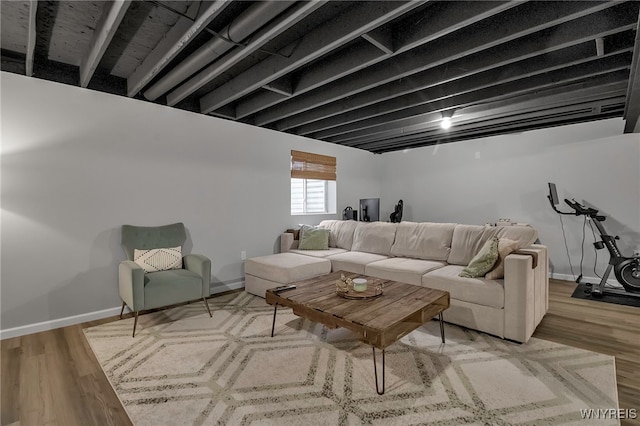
374 75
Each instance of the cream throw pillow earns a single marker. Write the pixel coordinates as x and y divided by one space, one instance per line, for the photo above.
505 248
483 261
161 259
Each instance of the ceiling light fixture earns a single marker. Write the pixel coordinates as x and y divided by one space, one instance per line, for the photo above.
446 119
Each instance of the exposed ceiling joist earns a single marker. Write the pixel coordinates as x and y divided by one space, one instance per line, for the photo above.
400 121
292 16
373 75
105 30
382 38
31 37
358 20
332 68
487 34
174 42
548 69
522 52
632 105
446 19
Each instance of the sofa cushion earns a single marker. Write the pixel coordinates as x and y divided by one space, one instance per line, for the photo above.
171 286
402 269
312 238
341 232
425 240
374 237
286 267
524 236
467 241
473 290
353 261
319 253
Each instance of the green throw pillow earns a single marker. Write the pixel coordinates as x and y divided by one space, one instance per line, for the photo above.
312 238
483 261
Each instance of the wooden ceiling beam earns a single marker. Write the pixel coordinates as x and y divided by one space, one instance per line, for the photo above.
355 21
511 88
105 30
283 86
31 38
545 68
498 126
632 106
382 38
360 56
581 31
448 17
401 123
449 52
291 16
178 37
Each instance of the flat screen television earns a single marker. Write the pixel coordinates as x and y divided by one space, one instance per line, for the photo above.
370 209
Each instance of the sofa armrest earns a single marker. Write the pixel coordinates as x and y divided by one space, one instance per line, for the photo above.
526 292
286 242
131 284
201 265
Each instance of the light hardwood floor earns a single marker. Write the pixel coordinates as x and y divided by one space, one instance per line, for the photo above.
53 378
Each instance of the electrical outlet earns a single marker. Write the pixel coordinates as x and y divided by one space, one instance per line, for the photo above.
243 255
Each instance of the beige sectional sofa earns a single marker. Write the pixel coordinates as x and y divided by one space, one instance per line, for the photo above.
430 255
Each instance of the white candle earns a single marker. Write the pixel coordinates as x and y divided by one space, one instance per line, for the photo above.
359 284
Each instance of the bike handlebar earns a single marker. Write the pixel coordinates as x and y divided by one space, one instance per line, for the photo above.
580 209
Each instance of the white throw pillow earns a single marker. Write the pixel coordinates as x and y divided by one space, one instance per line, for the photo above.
161 259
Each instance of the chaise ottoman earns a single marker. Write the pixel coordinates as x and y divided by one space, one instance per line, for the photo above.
274 270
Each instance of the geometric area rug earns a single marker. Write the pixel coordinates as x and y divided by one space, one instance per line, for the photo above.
184 368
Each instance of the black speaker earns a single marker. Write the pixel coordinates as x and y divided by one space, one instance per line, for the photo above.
349 213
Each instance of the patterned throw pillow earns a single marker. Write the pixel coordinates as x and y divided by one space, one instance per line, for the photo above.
313 238
505 248
483 261
161 259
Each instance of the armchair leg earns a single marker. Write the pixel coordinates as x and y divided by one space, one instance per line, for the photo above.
207 305
135 323
122 310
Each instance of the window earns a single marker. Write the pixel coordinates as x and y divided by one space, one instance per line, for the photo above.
313 183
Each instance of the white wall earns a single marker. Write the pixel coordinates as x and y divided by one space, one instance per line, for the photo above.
482 180
77 164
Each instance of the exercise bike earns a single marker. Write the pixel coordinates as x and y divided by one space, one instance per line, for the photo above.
626 269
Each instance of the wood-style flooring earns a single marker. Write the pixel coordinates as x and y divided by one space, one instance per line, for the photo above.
53 378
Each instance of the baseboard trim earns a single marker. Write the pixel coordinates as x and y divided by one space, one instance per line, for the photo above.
57 323
219 287
567 277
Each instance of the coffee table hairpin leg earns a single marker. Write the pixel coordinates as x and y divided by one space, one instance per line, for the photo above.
273 326
375 371
375 365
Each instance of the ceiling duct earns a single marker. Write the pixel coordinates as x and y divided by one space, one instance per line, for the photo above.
242 27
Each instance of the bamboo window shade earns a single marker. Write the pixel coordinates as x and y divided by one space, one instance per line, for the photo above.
305 165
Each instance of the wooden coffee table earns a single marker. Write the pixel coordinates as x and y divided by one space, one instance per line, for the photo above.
379 321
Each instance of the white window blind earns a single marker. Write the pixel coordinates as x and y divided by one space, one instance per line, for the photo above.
310 175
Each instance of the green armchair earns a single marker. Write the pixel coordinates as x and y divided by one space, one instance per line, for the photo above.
142 290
